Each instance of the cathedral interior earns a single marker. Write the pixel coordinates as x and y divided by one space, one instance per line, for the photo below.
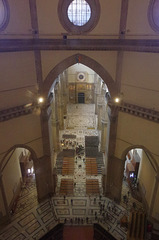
79 119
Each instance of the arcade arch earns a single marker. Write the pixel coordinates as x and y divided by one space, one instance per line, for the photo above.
65 90
85 60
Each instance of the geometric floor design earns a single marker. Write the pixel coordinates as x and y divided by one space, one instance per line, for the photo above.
31 220
35 222
80 122
77 211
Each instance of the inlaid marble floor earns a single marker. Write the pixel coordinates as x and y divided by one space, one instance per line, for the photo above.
32 220
81 121
35 221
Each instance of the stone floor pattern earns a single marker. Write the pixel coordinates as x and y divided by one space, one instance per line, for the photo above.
31 220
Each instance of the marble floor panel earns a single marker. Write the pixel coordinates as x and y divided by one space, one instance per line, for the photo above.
30 225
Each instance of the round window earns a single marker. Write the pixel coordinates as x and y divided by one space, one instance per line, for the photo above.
81 77
78 16
79 12
4 14
153 14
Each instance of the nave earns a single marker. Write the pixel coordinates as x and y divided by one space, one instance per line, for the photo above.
79 163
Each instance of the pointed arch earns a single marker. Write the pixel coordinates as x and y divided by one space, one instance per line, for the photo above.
152 160
85 60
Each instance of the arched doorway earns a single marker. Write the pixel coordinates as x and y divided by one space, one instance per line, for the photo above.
85 60
140 173
50 82
17 181
95 91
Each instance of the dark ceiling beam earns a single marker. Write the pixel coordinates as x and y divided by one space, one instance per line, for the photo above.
34 18
123 18
37 54
120 54
135 45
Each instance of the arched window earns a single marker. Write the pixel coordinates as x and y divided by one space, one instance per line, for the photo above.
153 14
4 14
78 16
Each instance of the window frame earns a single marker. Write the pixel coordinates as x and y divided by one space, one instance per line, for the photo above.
5 21
69 26
152 23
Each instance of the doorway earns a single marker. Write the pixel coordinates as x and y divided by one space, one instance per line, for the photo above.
81 98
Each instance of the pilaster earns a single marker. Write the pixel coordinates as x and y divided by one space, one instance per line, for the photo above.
7 212
114 166
55 134
155 190
99 116
103 135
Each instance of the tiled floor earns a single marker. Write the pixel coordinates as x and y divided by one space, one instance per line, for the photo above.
32 220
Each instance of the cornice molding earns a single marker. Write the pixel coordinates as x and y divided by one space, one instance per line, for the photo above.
138 45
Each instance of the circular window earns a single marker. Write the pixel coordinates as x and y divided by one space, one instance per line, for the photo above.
81 77
4 14
78 16
153 14
79 12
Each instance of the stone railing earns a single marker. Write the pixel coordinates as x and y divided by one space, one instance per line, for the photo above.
138 111
14 112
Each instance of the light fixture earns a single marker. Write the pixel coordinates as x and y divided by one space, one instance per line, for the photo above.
117 100
40 100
